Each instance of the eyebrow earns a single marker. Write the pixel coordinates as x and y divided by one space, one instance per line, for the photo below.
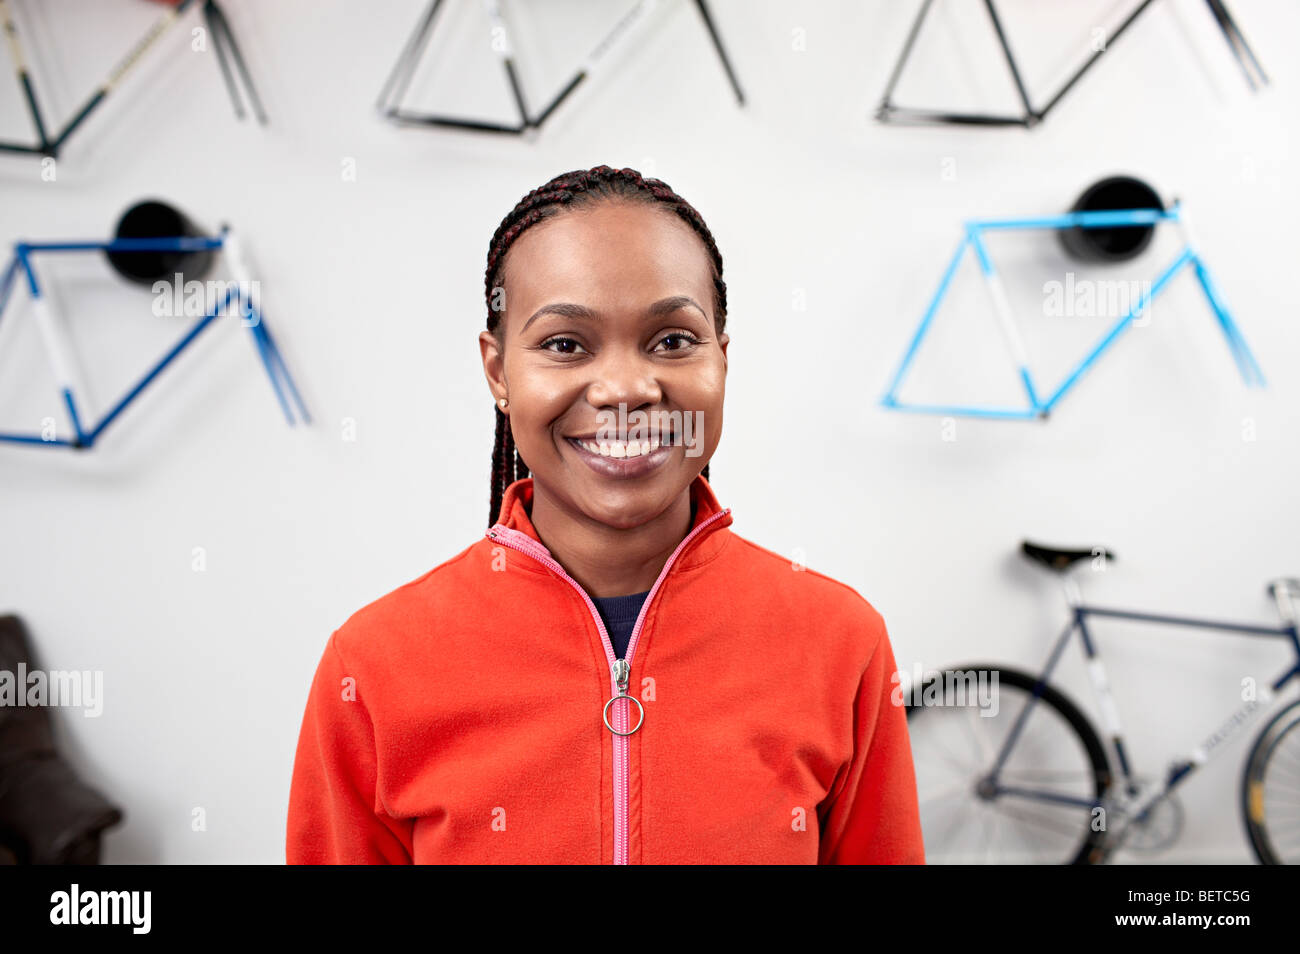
663 306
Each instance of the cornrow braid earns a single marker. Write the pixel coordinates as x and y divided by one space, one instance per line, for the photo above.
570 190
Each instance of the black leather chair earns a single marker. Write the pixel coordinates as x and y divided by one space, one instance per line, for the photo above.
47 815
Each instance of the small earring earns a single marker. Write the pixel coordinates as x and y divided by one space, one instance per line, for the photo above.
503 402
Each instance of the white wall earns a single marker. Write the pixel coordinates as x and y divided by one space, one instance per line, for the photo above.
374 289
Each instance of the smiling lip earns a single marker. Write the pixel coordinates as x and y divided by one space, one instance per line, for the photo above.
622 466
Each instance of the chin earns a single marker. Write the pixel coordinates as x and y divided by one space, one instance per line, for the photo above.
627 504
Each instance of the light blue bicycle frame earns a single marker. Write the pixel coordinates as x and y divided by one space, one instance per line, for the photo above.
1038 406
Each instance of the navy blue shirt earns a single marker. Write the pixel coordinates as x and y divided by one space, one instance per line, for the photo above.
619 614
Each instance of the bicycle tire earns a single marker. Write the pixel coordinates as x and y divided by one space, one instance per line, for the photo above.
1252 782
1092 847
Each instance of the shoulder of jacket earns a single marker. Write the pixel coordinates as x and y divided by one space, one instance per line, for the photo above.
390 613
825 593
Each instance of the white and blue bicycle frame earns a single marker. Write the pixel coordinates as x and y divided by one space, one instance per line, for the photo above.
58 351
1134 800
1040 402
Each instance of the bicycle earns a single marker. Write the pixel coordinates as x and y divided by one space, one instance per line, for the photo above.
1050 791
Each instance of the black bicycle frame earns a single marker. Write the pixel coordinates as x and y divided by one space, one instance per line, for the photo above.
223 42
888 112
1179 771
395 87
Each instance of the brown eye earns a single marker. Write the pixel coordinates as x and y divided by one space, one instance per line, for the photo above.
546 345
682 336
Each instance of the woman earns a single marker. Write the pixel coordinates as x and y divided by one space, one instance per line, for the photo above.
610 675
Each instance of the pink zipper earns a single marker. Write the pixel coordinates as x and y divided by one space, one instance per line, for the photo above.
518 540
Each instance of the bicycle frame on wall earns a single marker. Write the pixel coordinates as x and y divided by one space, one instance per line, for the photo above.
58 353
395 87
1138 800
49 144
889 112
1038 406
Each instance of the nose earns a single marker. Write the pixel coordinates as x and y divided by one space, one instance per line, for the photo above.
623 376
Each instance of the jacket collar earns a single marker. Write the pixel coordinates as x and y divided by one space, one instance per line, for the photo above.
517 505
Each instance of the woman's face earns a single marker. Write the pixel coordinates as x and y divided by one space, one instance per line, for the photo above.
605 306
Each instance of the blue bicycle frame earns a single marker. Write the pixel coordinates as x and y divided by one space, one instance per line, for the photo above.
1039 407
85 435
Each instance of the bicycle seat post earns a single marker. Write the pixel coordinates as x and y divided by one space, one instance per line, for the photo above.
1072 595
1284 592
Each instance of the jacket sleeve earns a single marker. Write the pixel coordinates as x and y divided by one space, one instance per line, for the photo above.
335 816
874 817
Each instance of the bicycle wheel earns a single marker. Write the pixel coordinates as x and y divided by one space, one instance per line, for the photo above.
1270 790
965 819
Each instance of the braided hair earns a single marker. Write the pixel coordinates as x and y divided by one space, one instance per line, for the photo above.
572 189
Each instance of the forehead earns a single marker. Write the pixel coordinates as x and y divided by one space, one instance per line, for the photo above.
609 256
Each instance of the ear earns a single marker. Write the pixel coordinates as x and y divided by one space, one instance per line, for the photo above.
494 368
722 343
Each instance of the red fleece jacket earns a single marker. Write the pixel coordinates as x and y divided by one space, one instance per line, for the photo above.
461 717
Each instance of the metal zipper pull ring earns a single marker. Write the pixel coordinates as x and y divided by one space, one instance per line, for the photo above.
621 671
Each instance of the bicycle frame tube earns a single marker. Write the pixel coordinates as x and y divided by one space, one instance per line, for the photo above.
1014 735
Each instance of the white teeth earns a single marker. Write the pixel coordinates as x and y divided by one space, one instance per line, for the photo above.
620 449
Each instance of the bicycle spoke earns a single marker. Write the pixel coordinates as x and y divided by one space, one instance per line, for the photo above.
1024 836
1285 812
963 761
954 819
986 753
960 788
1018 831
988 842
1285 772
1274 828
1027 774
1043 822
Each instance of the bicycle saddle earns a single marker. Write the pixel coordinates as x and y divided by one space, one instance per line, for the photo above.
1060 560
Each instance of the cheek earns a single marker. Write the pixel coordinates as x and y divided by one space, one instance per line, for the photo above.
703 391
533 412
710 385
542 398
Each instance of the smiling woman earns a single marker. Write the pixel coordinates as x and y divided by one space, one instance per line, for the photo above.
658 689
599 310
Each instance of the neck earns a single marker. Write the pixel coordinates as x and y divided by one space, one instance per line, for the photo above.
605 560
